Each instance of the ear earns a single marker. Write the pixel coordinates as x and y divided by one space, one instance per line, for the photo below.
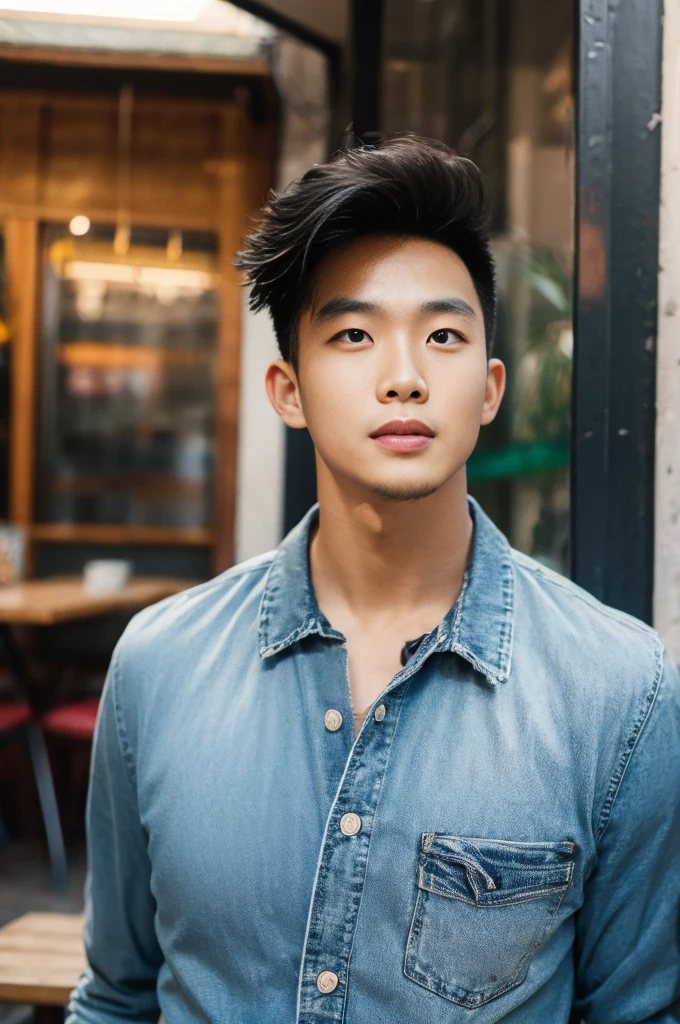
284 394
495 389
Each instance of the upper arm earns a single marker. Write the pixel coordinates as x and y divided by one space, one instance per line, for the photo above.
628 930
122 949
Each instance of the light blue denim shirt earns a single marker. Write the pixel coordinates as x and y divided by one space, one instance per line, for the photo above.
500 843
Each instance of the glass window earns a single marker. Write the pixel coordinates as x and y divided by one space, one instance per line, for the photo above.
494 80
129 341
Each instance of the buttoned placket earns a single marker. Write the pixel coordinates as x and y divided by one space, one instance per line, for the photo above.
343 858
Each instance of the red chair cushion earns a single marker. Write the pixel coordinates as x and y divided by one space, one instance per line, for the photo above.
12 715
76 720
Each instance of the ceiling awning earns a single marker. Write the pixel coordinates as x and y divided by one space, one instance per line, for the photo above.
219 31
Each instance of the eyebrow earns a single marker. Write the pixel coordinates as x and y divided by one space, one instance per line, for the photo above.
342 305
449 305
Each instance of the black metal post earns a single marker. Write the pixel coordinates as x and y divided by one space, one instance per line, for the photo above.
366 67
300 477
618 100
291 26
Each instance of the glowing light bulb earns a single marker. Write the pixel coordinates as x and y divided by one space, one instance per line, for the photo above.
79 225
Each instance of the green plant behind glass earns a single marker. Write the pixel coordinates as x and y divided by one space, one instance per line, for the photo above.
543 395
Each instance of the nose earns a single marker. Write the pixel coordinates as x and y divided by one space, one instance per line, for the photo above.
400 379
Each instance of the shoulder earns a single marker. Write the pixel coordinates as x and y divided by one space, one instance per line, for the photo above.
171 650
185 622
570 598
602 678
611 653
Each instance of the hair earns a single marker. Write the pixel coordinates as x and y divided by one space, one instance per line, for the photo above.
404 186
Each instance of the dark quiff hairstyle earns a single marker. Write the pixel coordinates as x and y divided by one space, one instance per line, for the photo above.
403 186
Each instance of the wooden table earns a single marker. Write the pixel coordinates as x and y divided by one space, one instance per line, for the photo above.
41 958
64 599
46 602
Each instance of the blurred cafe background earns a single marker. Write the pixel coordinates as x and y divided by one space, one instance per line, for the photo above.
138 452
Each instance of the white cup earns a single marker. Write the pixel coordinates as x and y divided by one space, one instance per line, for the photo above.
106 576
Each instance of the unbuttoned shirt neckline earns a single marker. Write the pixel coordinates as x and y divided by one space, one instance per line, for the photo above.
478 627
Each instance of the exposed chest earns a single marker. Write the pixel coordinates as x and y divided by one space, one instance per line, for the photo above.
373 660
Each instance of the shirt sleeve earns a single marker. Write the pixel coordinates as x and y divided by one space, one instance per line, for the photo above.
123 954
628 931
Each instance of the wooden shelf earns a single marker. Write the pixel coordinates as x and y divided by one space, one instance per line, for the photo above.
256 66
104 533
67 250
114 356
140 486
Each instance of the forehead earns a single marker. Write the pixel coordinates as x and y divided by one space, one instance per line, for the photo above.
394 273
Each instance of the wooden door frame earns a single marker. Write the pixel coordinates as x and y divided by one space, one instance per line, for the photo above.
22 259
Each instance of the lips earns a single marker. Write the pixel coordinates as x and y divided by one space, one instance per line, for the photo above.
404 427
403 436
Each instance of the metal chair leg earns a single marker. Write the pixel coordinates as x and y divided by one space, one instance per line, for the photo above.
48 1015
48 805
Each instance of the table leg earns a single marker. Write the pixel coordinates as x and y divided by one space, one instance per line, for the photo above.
41 766
48 1015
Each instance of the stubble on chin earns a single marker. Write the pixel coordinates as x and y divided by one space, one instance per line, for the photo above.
405 493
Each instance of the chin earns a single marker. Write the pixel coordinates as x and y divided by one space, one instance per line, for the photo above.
404 491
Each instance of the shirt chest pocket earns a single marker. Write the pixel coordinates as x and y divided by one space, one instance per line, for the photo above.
482 908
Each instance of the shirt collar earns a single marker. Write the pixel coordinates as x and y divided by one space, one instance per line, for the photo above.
479 627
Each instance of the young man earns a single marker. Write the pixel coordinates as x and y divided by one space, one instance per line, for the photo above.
394 772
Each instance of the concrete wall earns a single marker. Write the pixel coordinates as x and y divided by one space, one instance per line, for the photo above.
667 527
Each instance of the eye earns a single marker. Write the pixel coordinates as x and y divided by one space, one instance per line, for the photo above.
353 336
445 336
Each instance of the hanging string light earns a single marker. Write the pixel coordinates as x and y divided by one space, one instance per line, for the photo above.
121 241
175 246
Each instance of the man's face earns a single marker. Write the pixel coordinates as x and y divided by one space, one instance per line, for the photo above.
393 380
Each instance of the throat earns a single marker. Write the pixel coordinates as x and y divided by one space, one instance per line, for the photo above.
373 661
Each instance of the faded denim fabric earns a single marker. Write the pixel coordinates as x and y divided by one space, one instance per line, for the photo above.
518 855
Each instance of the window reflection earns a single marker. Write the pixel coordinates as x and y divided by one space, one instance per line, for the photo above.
495 82
128 378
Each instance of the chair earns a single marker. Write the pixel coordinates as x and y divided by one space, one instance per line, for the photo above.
16 724
73 721
41 958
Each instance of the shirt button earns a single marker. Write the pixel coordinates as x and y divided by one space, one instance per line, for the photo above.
332 720
327 982
350 824
379 713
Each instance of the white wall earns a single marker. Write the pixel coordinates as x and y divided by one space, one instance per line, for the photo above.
667 526
300 77
259 494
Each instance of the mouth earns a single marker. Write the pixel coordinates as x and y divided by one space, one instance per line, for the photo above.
403 435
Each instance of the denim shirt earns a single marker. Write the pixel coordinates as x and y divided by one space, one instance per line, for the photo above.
501 842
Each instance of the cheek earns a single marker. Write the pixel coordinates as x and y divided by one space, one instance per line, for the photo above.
460 388
327 408
330 393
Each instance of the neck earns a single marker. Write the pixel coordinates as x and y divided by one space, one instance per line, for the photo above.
382 558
